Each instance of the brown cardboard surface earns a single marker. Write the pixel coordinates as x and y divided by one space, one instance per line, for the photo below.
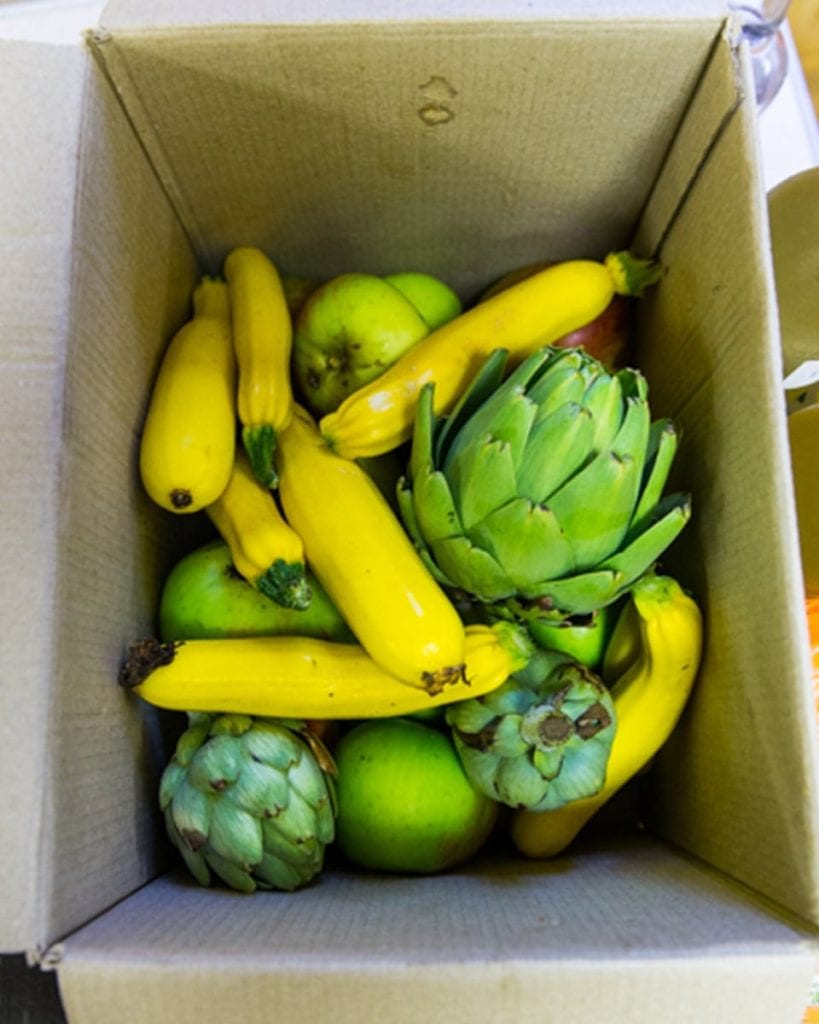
41 90
627 932
739 782
717 96
368 138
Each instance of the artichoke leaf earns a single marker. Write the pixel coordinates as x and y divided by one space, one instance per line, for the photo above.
662 447
194 861
434 508
518 783
191 810
559 382
231 873
581 594
216 765
548 761
273 745
471 569
259 789
478 766
595 506
482 478
235 835
420 459
501 409
558 447
527 540
604 400
484 384
670 516
278 874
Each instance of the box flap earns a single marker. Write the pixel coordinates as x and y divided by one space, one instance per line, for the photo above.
629 932
77 198
738 784
41 85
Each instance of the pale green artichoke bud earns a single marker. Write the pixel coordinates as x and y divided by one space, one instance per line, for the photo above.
537 745
544 490
251 800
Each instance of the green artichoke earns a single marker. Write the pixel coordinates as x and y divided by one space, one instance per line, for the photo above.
248 799
537 743
542 492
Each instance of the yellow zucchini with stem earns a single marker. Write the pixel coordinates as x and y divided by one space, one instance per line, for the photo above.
524 317
263 338
363 558
264 548
303 677
189 434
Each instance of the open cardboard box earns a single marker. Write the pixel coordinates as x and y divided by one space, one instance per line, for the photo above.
381 137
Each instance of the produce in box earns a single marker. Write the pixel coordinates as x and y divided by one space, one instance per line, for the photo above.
511 589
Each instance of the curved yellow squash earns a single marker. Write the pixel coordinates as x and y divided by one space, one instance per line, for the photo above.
524 317
303 677
188 440
364 560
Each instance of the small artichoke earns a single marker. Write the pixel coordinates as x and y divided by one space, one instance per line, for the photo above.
249 800
541 739
542 492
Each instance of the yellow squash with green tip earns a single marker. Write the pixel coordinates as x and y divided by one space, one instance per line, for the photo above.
263 337
265 549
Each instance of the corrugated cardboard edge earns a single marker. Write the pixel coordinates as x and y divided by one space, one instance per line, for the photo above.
42 87
118 76
717 98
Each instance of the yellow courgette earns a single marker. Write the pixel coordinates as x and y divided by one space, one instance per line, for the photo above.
188 439
263 337
534 312
264 548
364 560
302 677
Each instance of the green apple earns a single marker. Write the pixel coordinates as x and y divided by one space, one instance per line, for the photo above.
204 596
349 331
435 301
404 801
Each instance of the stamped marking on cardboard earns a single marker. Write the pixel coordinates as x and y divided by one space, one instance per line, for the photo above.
438 93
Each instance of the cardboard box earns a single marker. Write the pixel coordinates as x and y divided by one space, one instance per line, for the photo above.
377 137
